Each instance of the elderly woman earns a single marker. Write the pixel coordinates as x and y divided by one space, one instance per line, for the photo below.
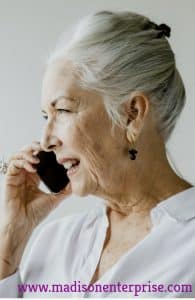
111 98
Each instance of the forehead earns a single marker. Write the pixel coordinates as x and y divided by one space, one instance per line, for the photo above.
59 79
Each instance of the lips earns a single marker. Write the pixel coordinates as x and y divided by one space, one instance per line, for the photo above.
61 161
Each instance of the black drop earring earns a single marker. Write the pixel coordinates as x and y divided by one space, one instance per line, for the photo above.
132 153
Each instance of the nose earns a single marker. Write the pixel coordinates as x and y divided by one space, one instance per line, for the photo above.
50 141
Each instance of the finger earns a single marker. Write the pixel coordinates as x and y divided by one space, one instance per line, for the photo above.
67 191
30 158
35 152
51 200
32 147
15 167
24 155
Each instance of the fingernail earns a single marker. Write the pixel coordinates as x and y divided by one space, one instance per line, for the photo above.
35 153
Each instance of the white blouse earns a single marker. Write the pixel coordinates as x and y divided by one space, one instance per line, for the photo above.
67 251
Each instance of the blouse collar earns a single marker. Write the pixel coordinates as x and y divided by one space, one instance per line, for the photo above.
180 206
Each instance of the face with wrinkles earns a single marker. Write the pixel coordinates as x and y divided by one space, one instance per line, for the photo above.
77 126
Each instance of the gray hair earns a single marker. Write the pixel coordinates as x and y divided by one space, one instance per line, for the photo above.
117 53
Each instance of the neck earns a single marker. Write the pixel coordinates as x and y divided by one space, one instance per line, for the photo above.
153 181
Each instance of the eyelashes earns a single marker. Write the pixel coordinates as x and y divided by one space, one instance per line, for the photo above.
59 111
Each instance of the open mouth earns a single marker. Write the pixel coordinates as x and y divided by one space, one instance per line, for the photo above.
74 168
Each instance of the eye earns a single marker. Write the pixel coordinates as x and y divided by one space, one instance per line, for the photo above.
45 117
61 111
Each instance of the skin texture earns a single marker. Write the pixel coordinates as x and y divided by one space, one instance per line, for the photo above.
130 188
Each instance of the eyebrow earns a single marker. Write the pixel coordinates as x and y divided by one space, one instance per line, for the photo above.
53 102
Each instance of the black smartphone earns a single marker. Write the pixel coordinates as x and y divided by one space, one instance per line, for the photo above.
51 172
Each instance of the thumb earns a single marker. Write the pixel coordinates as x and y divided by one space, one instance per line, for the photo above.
49 201
57 197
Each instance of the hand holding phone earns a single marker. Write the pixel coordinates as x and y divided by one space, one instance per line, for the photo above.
24 204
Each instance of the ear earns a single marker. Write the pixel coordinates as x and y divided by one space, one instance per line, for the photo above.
136 110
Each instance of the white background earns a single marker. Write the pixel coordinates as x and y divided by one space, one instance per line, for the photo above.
29 30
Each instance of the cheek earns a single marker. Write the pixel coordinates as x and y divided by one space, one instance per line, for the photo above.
88 140
91 141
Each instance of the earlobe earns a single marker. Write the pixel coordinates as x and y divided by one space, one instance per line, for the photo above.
131 134
132 151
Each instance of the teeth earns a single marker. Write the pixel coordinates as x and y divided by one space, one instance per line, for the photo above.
68 164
